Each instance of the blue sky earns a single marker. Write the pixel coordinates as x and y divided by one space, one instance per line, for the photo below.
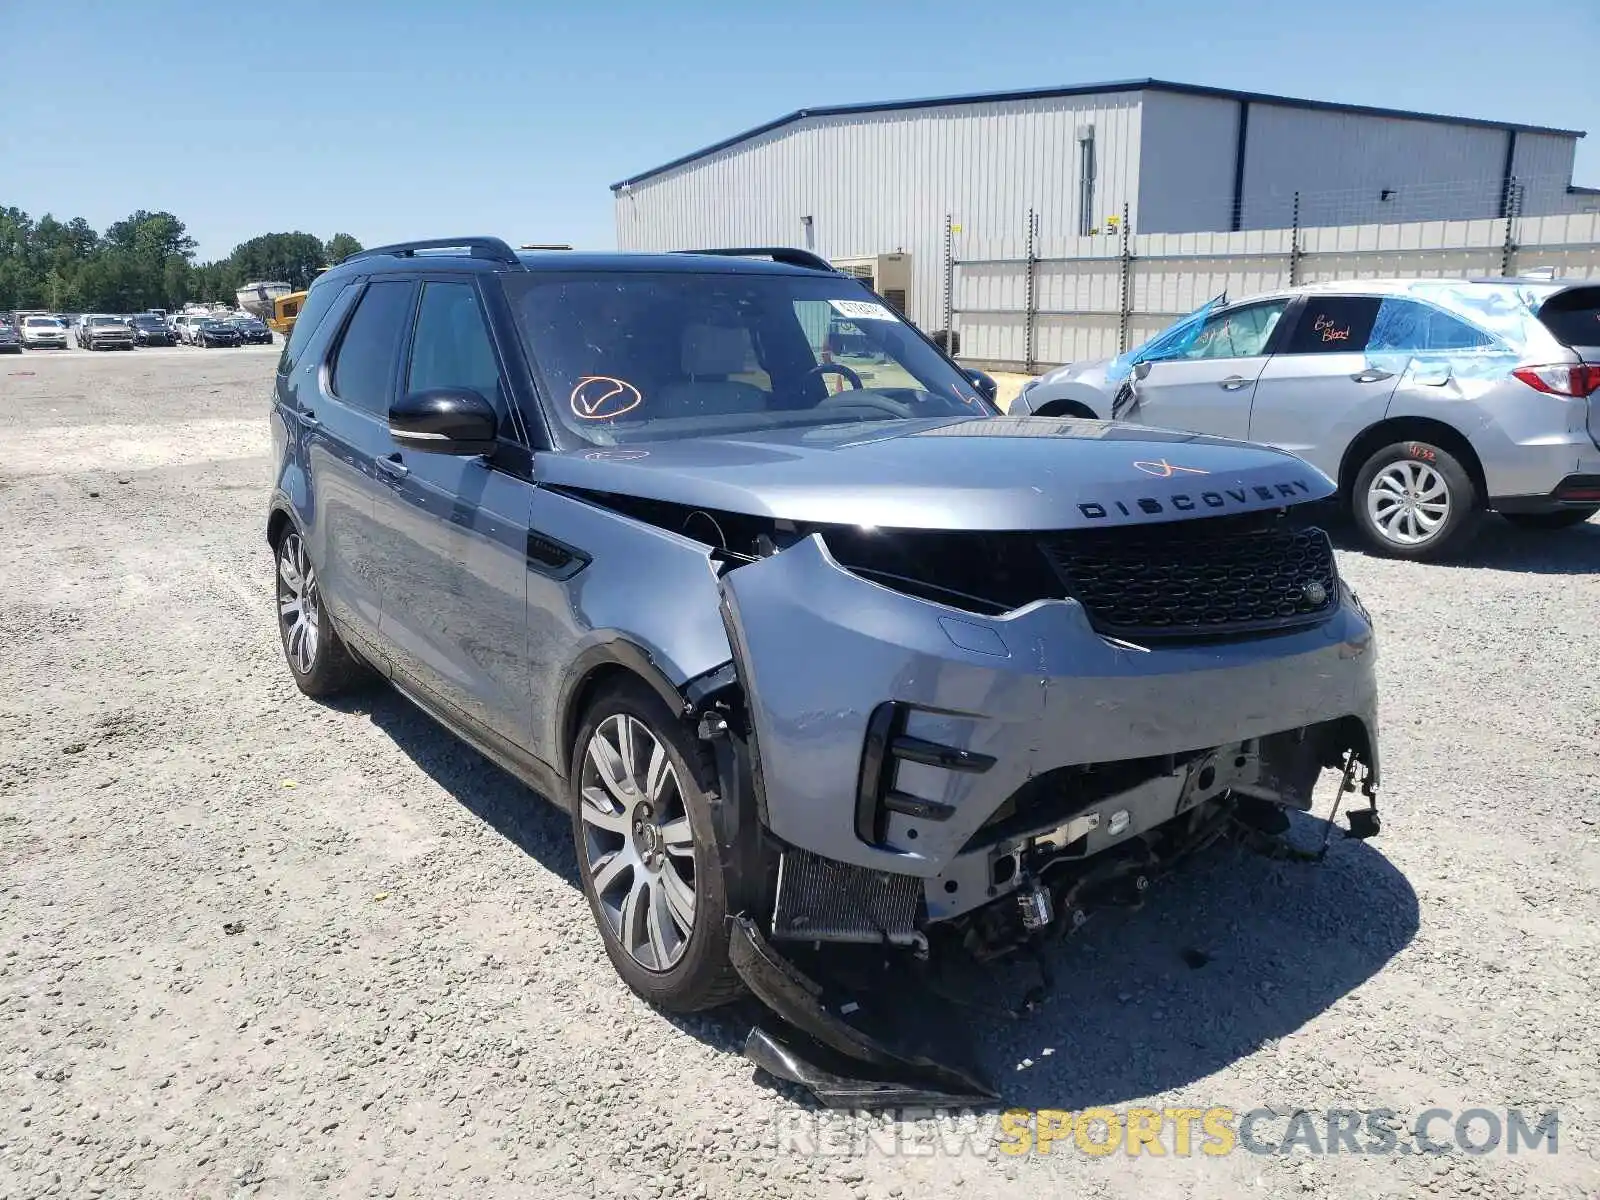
398 119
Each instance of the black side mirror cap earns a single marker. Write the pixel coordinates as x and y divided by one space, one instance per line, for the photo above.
445 421
987 387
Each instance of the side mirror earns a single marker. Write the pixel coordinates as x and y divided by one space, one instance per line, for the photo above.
987 387
444 421
1141 369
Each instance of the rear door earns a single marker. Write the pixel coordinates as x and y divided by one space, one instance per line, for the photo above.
1206 385
344 419
1321 386
455 531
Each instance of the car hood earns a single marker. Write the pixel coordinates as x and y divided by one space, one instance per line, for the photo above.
990 473
1092 372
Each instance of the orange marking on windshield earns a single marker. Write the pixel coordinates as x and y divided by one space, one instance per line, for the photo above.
602 398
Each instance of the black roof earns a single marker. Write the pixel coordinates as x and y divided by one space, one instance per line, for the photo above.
1086 89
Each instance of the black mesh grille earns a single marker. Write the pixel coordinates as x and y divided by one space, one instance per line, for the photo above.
1184 581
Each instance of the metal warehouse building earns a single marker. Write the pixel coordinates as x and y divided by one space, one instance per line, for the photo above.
870 186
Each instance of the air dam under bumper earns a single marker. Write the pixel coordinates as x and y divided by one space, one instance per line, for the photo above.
820 649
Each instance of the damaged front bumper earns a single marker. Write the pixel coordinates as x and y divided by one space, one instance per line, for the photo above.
916 764
925 745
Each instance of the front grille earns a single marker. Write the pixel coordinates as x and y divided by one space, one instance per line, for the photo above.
1183 580
823 900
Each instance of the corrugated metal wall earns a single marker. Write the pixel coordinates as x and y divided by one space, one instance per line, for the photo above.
1171 274
1187 168
1341 164
881 182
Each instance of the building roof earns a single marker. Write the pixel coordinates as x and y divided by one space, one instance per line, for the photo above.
1086 89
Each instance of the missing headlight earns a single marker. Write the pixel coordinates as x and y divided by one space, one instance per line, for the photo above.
978 572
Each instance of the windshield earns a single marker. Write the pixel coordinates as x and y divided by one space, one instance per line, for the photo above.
105 320
42 323
648 356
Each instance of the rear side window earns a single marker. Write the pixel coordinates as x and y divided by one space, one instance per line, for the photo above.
363 366
316 307
1574 317
1334 325
1413 327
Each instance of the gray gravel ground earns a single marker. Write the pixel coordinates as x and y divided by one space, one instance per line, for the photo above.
253 945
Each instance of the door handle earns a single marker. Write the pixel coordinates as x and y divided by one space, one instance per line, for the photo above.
1372 375
393 467
307 419
1233 383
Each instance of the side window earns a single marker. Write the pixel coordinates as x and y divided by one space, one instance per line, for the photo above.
364 363
1237 332
316 307
1334 325
1413 327
451 346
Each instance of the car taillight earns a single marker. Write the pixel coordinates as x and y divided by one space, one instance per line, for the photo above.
1564 379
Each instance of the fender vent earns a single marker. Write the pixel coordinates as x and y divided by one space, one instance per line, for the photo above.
823 900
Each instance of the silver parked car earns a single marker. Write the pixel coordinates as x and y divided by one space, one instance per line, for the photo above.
1430 401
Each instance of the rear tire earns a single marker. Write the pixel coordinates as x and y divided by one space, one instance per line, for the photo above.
318 659
1415 500
1546 522
640 790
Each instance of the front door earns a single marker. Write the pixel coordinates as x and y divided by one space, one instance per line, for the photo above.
1206 386
455 591
1323 387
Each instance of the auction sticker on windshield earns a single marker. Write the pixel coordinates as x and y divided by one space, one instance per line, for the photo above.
862 310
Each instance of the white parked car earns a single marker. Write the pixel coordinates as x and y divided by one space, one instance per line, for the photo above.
39 333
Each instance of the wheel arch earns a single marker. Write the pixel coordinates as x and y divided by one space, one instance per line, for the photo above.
279 522
1399 429
1066 406
594 669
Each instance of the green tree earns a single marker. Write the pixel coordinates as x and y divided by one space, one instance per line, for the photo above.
294 258
340 247
145 260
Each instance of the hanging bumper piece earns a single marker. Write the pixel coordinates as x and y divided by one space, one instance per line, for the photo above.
847 1047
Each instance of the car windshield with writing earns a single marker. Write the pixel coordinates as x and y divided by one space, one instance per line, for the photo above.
641 356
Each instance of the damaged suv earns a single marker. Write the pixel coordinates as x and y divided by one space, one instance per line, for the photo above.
816 647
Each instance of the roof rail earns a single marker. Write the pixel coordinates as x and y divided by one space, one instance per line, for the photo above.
492 248
782 254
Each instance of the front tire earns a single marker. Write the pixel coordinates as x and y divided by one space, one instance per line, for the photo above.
1546 522
1415 500
317 658
640 793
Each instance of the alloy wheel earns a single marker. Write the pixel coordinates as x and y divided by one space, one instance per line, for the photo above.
637 842
299 604
1409 502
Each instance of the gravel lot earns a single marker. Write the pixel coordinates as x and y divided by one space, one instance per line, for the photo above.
250 944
